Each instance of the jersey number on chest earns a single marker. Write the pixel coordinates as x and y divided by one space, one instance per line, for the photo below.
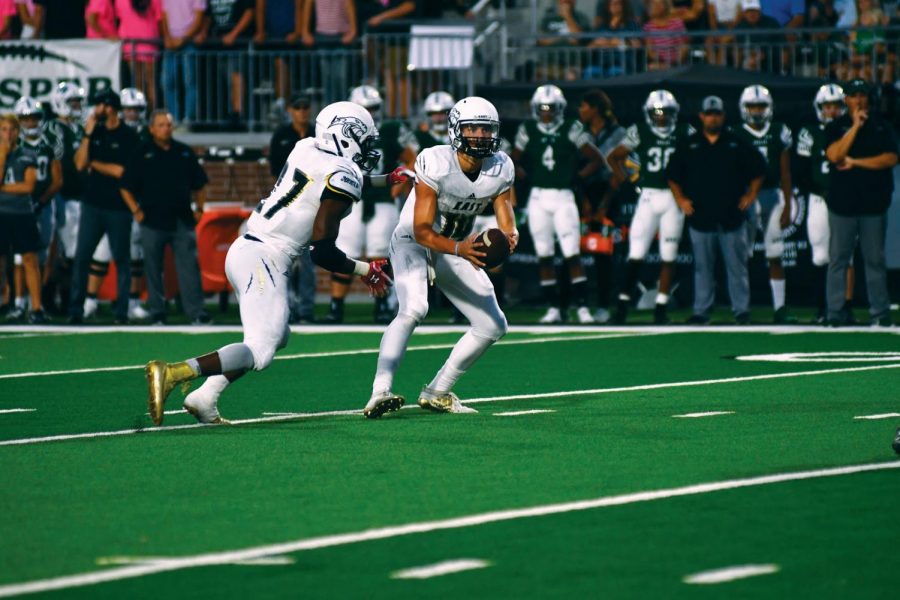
659 158
300 183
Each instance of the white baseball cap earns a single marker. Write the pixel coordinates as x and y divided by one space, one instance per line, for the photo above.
751 5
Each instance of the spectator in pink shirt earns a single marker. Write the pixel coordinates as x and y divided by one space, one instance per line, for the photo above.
7 12
664 51
139 20
182 21
100 19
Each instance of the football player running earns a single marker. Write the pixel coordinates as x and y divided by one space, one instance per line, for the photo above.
433 243
552 144
367 230
321 181
811 145
657 211
772 210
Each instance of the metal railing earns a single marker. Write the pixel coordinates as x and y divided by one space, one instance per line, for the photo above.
870 53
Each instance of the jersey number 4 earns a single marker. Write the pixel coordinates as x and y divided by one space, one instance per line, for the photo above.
300 183
547 158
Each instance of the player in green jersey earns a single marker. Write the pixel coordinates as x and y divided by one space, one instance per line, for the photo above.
367 230
654 142
811 145
549 146
772 210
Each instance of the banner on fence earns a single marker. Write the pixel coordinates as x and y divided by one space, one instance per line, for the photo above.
35 68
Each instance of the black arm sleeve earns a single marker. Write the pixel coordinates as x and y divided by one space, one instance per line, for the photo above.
326 255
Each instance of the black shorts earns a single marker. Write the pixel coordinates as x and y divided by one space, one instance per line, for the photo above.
19 234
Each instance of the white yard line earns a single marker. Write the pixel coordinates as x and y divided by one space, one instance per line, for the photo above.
7 411
442 568
697 415
730 574
543 340
381 533
333 413
881 416
516 413
265 561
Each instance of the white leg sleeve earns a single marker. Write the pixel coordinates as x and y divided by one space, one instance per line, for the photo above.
817 230
671 224
644 224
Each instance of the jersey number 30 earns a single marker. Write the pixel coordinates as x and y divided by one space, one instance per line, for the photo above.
300 183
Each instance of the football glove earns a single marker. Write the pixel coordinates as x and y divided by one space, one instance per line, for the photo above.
401 175
379 278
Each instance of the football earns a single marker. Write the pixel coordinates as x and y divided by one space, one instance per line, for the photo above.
496 246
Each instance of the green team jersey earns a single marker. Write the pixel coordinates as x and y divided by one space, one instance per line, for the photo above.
811 145
552 154
45 150
771 141
426 139
654 151
70 135
393 138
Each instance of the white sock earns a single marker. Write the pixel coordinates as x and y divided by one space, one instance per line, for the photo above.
390 353
214 385
20 302
662 298
777 292
466 351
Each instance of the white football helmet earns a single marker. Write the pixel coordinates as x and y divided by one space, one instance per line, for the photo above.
134 106
548 99
436 104
756 95
661 111
67 100
26 106
829 93
369 98
347 129
474 111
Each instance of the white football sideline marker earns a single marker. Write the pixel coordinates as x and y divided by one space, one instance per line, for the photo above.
7 411
442 568
543 340
516 413
881 416
393 531
697 415
335 413
730 574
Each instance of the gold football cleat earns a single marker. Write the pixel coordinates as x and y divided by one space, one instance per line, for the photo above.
162 378
444 402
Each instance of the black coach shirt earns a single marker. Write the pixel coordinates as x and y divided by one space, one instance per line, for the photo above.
109 146
859 191
714 177
283 141
162 182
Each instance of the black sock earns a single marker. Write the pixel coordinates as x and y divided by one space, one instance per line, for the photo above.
380 305
603 270
580 292
337 305
551 293
821 278
632 274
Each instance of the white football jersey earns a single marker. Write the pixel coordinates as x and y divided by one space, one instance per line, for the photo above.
459 199
285 218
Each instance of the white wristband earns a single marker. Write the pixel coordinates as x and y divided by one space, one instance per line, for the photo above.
360 268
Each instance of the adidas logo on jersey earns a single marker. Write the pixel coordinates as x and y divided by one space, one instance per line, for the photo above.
471 196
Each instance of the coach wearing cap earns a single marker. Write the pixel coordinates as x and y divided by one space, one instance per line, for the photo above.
104 151
303 278
715 177
863 150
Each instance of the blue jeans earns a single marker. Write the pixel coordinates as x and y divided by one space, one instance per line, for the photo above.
180 66
733 245
95 222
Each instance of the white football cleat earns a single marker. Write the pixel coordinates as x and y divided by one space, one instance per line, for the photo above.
136 312
584 316
553 315
383 402
90 307
204 406
447 402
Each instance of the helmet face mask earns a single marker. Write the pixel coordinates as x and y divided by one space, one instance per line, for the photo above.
829 103
67 100
474 128
661 111
437 107
348 130
437 122
548 106
30 114
756 106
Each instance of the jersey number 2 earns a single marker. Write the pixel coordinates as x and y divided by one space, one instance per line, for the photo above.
300 182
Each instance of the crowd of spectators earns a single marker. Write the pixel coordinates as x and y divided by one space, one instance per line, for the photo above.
627 36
